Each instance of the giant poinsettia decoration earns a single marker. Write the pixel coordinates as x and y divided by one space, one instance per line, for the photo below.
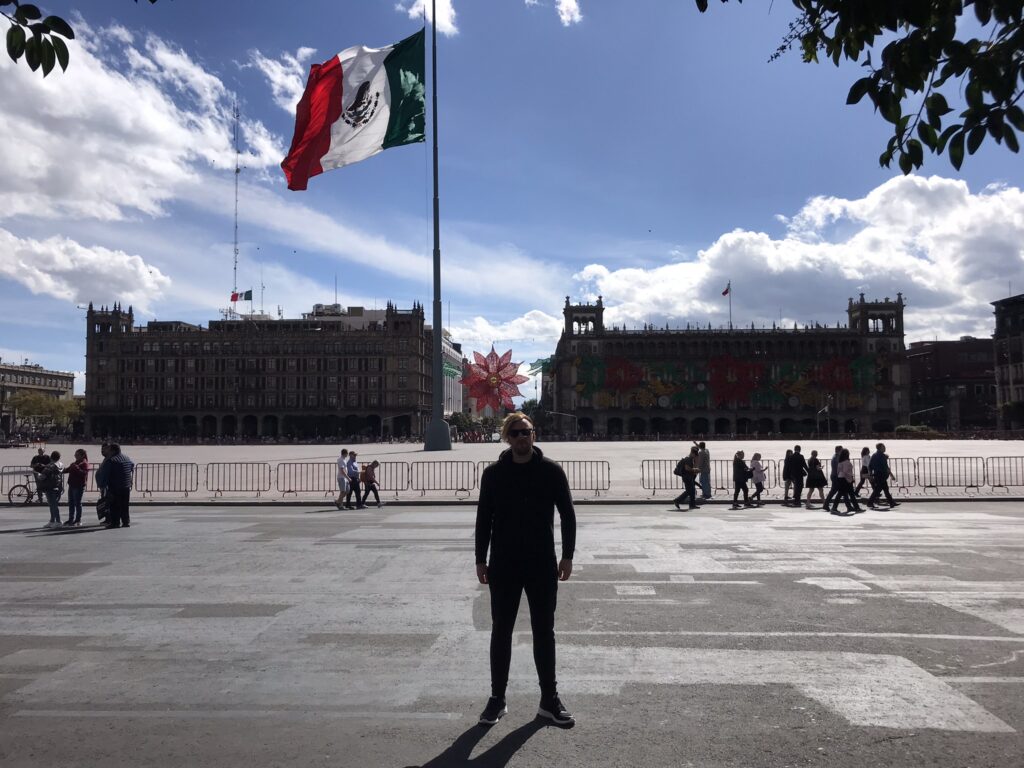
493 380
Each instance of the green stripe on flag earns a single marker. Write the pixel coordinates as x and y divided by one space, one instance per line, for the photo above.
406 68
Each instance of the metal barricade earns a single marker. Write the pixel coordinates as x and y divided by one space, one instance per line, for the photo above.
458 476
904 471
587 475
307 477
657 475
721 475
164 477
1004 471
238 477
393 477
11 476
951 472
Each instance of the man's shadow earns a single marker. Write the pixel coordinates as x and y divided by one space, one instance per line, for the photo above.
498 756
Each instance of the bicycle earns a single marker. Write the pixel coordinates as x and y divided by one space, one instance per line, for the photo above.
24 493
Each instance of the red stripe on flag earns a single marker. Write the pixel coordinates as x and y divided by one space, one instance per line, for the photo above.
318 109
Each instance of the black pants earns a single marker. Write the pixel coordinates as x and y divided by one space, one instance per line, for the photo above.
832 492
689 492
878 488
740 485
119 501
844 493
798 488
353 487
370 487
507 584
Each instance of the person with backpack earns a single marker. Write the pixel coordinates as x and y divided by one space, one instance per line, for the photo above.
688 469
51 483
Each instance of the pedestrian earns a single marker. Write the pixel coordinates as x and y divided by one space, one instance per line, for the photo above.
370 482
758 474
51 482
78 474
740 475
815 479
353 482
515 521
704 469
787 481
114 478
833 477
865 472
879 477
844 474
687 468
342 478
36 463
797 472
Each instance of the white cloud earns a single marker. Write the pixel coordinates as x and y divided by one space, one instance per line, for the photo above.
948 250
69 271
569 12
286 76
123 132
445 14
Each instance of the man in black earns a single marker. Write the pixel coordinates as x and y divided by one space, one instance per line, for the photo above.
797 473
833 477
515 519
691 466
114 478
878 467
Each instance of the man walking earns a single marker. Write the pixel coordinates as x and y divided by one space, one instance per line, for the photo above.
704 469
879 474
688 465
114 478
797 473
515 520
833 477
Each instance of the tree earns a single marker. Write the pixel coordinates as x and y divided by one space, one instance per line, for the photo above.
36 38
44 410
931 52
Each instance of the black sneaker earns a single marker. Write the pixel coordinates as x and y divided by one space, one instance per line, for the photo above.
494 711
555 711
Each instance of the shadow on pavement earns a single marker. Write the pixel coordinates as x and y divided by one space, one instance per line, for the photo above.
498 756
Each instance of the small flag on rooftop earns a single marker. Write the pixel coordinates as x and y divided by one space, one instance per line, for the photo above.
727 289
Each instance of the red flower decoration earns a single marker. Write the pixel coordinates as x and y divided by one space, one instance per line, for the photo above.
493 380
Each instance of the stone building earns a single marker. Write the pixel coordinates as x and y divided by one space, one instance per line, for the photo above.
694 381
1008 349
952 384
27 377
332 373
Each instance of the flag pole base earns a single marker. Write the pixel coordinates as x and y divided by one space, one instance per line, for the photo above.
438 437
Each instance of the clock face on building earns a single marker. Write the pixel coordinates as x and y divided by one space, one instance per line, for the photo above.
663 401
794 401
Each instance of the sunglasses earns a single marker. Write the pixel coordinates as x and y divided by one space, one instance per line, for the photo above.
519 432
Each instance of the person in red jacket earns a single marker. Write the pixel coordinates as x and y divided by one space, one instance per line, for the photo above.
78 474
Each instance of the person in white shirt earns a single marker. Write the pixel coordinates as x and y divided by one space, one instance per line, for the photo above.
343 485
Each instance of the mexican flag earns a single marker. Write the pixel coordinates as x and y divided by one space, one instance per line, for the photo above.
356 104
241 295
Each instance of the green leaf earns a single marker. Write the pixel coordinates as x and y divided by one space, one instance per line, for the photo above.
1010 139
974 139
858 89
61 50
956 150
32 53
1016 117
916 152
58 26
974 93
983 10
15 42
47 56
702 5
946 134
26 13
927 134
905 164
885 158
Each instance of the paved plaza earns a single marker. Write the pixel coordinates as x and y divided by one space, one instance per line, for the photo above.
267 635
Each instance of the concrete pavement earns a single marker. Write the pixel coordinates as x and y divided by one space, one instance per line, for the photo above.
274 635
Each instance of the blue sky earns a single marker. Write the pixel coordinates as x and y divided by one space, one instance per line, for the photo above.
639 151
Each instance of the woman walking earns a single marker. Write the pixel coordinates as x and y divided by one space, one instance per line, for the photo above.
865 459
740 475
844 476
787 481
758 474
815 479
78 474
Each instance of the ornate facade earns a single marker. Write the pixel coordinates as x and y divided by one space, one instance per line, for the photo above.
332 373
28 377
694 381
1008 341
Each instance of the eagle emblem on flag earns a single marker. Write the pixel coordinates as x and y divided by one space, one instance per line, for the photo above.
363 106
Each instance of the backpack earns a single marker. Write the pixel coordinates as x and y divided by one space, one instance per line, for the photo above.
680 468
51 479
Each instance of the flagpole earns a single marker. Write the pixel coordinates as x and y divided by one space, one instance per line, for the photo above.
730 305
438 438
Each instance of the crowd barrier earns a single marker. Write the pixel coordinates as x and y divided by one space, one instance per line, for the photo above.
921 476
457 476
238 477
165 477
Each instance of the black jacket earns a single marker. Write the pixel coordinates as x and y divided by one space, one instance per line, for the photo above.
515 516
795 466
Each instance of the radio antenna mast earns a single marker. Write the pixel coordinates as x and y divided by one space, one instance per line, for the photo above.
238 171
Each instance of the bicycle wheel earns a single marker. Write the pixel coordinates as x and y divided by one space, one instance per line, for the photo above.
19 494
